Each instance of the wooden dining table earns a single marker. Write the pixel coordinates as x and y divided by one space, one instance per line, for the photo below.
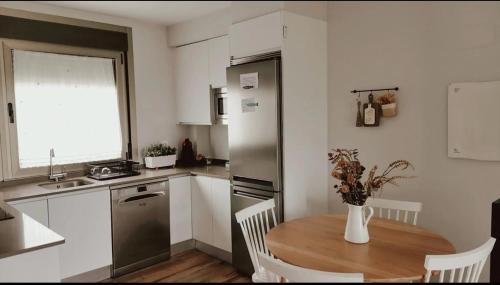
395 253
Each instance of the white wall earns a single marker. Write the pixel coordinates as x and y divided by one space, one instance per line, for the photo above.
420 47
155 100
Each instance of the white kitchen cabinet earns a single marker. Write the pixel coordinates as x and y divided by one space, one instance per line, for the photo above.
255 36
219 60
35 266
180 209
212 211
192 84
198 68
36 208
84 220
221 205
202 209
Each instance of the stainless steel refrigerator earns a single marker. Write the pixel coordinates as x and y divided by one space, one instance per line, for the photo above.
255 142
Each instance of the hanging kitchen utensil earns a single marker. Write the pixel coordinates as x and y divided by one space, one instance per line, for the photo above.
359 118
371 112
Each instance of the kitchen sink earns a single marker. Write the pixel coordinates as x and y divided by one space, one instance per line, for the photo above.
65 184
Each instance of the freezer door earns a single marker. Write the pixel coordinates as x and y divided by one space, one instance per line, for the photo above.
255 121
241 198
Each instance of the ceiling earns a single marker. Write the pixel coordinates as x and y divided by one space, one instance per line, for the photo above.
160 12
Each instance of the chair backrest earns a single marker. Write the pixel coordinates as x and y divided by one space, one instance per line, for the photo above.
396 210
292 273
255 222
461 267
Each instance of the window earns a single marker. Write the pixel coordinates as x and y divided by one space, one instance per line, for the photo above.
71 102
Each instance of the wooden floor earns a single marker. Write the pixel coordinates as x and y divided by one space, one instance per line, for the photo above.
189 266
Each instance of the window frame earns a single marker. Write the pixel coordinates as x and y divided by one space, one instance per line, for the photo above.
9 141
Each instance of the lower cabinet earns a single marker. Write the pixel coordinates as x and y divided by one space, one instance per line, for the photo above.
35 266
221 199
202 209
211 210
180 209
35 208
84 220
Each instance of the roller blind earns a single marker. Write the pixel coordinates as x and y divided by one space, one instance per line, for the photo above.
68 103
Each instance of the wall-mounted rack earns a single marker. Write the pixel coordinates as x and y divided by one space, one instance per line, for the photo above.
374 90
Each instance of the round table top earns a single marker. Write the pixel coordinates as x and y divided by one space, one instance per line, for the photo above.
395 252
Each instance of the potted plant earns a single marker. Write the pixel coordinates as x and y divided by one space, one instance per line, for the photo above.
388 104
159 155
348 169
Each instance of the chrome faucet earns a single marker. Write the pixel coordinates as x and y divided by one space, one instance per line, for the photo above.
52 175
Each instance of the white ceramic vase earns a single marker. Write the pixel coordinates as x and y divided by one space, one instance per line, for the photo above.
356 228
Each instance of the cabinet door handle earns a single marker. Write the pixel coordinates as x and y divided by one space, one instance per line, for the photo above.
11 112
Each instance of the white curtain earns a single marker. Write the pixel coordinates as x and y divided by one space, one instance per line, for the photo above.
68 103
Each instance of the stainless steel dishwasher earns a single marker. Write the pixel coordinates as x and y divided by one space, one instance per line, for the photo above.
141 225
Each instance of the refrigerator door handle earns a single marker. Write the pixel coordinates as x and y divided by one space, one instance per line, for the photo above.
249 195
252 191
246 182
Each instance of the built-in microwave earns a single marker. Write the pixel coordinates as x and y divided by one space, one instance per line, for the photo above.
221 105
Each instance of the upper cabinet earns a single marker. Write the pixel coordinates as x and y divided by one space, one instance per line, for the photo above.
192 84
198 68
260 35
218 61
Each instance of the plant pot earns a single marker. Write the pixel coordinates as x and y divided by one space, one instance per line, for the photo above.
389 110
160 161
356 228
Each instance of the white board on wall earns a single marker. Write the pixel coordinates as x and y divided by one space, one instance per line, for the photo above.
474 120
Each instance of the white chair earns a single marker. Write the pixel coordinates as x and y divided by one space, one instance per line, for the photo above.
255 222
469 264
396 210
278 269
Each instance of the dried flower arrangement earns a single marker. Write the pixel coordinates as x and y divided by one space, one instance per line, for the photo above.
348 169
387 98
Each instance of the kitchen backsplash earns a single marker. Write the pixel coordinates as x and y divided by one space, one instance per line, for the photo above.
211 141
